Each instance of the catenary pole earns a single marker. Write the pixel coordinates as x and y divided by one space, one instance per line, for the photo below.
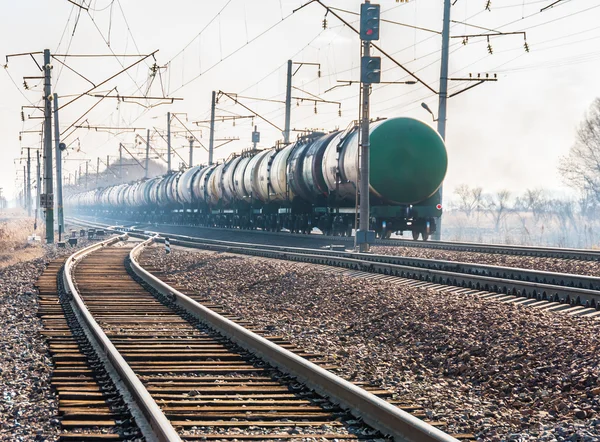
191 162
48 186
443 94
24 199
211 145
364 209
147 151
168 141
28 182
59 183
288 104
39 189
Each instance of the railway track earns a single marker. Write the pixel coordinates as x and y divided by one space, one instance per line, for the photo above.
90 404
182 371
576 294
542 252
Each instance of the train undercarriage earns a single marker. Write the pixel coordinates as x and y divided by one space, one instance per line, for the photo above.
420 221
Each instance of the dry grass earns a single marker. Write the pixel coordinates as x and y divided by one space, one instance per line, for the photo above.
13 241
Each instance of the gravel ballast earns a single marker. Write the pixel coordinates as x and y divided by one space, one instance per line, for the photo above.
27 404
557 265
501 372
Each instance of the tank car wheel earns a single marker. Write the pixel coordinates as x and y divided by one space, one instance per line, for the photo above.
415 234
425 235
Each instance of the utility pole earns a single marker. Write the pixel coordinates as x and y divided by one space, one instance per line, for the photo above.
443 95
24 200
59 183
87 163
48 187
288 104
97 170
370 73
147 151
255 137
364 213
121 161
211 145
168 142
29 182
191 162
39 189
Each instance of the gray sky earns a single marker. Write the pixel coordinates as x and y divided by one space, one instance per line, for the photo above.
509 134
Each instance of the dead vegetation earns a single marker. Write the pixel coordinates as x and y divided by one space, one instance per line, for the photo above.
14 246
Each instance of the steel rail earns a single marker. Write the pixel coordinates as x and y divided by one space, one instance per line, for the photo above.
376 412
158 426
528 289
557 287
516 273
517 250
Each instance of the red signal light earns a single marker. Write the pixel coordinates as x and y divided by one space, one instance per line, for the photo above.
369 32
439 207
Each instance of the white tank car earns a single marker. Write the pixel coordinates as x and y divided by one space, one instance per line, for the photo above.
262 186
332 163
238 179
201 188
227 179
278 175
184 185
251 173
214 189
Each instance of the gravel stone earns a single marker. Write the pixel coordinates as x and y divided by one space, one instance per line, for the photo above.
499 371
28 404
558 265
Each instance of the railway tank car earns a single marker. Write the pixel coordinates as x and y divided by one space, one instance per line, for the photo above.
306 184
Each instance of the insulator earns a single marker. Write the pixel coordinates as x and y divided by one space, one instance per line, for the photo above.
488 5
526 46
319 73
489 48
324 23
315 108
22 116
465 41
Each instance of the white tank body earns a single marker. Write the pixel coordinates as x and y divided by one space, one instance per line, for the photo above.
184 186
278 175
238 179
227 179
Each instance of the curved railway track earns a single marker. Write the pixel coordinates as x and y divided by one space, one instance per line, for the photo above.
543 252
183 371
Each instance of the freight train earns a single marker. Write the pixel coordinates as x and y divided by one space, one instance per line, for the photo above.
306 184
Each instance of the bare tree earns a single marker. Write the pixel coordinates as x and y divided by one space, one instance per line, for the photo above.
498 205
581 168
469 200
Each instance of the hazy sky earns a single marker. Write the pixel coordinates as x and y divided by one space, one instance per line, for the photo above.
509 134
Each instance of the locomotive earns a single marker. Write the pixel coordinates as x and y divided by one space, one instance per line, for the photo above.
309 183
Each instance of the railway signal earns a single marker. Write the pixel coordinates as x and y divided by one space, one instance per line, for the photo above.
369 22
370 70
